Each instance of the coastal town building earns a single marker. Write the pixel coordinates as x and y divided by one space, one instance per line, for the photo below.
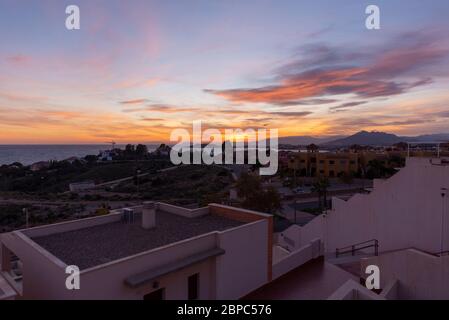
81 186
157 251
40 165
401 226
327 164
160 251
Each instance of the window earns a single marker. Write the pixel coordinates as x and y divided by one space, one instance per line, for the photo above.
321 161
352 162
331 162
193 286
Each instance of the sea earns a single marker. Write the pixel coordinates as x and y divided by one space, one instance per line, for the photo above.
29 154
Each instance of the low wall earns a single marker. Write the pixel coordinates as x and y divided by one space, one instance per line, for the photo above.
419 274
297 258
188 213
352 290
71 225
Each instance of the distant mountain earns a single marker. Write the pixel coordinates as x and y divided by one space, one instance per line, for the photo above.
306 140
366 138
375 138
438 137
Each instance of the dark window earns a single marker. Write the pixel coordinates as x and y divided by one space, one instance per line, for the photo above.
321 161
352 162
155 295
193 286
303 161
331 162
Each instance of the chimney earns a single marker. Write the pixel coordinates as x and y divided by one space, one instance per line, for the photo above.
149 215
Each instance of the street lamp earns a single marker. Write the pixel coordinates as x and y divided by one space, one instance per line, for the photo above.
27 217
443 195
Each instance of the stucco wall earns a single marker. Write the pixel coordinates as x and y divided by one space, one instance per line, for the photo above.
43 274
297 258
188 213
401 212
420 275
244 267
248 216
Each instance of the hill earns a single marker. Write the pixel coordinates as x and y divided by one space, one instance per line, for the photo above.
376 138
367 138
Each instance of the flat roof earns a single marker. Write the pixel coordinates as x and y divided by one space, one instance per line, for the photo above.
314 280
93 246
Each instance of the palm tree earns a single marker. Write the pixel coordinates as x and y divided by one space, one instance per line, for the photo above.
320 186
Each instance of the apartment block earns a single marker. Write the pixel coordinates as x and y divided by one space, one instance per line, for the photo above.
324 164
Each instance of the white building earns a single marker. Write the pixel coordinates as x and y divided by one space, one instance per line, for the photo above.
221 252
405 219
159 252
81 186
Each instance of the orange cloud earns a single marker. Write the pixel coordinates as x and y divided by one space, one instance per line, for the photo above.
410 61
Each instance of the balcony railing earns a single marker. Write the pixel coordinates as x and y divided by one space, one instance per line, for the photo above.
373 243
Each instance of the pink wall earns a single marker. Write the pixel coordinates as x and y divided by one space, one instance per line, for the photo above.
401 212
244 266
419 275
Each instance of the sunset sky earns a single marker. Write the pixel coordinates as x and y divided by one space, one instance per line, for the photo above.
138 69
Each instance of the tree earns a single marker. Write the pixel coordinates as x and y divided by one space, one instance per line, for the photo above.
130 149
141 150
347 177
265 200
401 146
320 186
247 184
377 169
256 197
357 148
312 147
91 158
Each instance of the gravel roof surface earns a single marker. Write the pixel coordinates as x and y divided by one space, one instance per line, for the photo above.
97 245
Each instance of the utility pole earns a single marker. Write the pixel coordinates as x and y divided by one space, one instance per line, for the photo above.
443 195
27 217
295 204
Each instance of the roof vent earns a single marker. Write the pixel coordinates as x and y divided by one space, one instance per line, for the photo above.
149 215
128 215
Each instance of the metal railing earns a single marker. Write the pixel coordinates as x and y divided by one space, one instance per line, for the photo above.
440 254
359 246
